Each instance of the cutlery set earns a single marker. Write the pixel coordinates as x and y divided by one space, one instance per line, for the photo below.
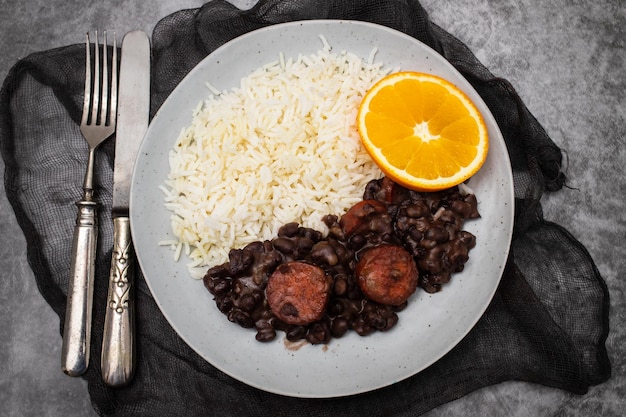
108 108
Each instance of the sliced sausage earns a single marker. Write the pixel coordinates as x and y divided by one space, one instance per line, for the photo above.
297 292
387 274
357 218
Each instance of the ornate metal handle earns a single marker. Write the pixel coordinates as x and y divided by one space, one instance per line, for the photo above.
118 343
77 328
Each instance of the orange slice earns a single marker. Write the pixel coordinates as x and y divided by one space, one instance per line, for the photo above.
422 131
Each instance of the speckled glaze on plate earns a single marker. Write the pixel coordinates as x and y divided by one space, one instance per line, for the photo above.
429 327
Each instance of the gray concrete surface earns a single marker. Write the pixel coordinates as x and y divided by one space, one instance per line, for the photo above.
566 59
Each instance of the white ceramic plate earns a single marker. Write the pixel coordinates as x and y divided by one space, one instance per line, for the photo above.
430 326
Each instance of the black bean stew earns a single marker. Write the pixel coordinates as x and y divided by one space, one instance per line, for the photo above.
426 225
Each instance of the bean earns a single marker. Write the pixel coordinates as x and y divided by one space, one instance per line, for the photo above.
318 333
324 253
295 333
463 208
288 230
428 286
432 260
265 331
415 234
361 327
437 234
421 224
339 327
471 199
335 308
217 285
457 254
341 286
224 303
392 320
442 277
351 307
334 229
468 239
254 247
309 233
304 244
241 318
248 302
285 245
217 271
427 243
450 217
357 241
240 260
375 320
417 210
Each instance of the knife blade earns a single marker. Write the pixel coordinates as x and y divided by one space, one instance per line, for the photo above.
118 341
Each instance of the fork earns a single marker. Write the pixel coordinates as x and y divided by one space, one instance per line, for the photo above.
97 124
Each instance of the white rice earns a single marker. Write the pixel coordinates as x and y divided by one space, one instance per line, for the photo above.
281 147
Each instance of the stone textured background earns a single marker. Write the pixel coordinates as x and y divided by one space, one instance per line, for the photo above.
566 59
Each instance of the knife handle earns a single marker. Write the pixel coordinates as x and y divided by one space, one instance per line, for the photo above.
77 328
118 341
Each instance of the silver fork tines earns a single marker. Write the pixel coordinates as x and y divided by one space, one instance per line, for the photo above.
97 124
100 102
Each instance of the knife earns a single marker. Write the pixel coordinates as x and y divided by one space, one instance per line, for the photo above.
118 341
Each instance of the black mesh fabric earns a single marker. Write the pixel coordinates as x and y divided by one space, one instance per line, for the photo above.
547 323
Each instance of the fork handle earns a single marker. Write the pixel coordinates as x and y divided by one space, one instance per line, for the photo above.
77 328
118 340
